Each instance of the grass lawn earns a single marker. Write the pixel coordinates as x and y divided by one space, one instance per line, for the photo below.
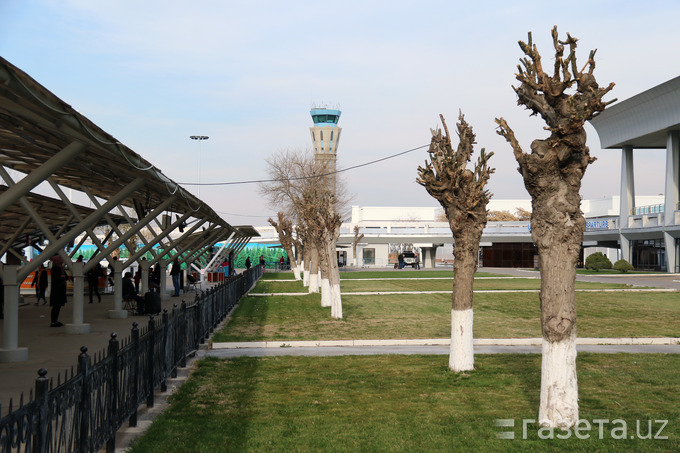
404 273
397 403
421 284
501 315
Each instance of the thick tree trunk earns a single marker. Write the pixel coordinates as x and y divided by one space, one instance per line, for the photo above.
334 280
293 266
313 269
559 386
461 357
305 263
325 285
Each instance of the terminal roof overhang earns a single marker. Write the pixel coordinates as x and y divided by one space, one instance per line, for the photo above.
642 121
36 127
52 211
44 138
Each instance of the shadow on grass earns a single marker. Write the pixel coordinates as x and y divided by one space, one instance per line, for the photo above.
528 383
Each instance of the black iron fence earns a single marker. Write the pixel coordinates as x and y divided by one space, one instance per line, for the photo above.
83 413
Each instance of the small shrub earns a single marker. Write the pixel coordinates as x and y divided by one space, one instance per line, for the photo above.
598 261
623 266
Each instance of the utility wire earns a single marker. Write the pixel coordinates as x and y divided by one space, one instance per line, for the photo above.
257 181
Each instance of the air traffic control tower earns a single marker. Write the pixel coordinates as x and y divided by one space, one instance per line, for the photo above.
325 136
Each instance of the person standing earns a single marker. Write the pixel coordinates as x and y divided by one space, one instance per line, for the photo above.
174 272
58 290
248 264
93 281
40 282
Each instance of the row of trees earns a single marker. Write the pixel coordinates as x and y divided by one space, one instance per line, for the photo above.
552 174
309 199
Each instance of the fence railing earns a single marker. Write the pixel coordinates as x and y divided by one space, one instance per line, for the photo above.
84 412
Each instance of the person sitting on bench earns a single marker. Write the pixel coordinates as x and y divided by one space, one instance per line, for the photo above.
130 293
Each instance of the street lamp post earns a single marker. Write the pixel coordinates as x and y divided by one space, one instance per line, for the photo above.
200 138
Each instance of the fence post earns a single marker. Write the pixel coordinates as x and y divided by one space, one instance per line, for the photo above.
164 352
175 341
213 312
41 389
135 373
199 324
183 337
113 393
84 370
150 360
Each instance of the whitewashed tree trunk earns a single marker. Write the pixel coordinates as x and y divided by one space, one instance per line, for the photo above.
305 278
296 272
461 356
314 270
336 302
305 264
558 407
325 293
323 278
334 278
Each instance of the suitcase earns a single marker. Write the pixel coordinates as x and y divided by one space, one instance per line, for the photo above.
152 303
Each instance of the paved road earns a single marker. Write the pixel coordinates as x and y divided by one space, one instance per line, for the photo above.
671 281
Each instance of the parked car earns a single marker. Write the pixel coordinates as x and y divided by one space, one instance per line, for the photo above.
410 259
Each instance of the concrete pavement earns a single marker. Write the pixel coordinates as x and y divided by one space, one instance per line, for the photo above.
55 350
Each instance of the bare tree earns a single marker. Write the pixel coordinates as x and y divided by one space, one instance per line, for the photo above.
292 173
500 216
552 175
522 214
298 183
357 238
324 226
462 194
284 228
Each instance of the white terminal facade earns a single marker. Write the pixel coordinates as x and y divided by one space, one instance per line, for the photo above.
644 230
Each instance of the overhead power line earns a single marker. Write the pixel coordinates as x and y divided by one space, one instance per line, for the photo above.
257 181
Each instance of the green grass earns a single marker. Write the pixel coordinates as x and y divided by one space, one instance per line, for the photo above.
614 272
487 284
406 273
500 315
407 404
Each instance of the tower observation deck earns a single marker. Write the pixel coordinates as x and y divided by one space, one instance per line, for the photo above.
325 136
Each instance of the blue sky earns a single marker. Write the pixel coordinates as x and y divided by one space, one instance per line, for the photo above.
152 73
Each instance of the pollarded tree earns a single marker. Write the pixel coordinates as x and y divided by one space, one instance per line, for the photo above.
291 174
462 194
552 175
323 225
284 228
